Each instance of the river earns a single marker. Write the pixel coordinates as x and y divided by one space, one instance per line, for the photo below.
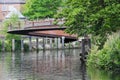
49 65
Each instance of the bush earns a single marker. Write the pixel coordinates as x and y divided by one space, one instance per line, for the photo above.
26 47
0 46
107 58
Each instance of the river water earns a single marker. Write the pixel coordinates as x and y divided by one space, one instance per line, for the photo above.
49 65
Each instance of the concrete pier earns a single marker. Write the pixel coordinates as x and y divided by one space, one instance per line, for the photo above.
63 42
59 43
55 43
43 44
37 43
13 45
51 43
22 44
30 43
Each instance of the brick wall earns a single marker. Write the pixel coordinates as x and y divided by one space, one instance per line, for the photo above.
12 1
4 7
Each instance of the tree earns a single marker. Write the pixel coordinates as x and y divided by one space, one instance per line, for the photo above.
98 17
13 20
41 8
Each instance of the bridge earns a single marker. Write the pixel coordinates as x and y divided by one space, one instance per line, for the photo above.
42 28
47 28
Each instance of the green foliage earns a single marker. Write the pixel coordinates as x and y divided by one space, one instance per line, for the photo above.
8 45
8 37
12 21
98 17
107 58
98 74
41 8
26 47
0 46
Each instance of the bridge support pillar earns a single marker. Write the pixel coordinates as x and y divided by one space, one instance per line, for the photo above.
22 44
43 44
55 42
46 43
59 43
69 45
30 43
37 43
51 43
13 45
63 42
46 40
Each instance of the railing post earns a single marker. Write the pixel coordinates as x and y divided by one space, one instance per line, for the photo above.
25 23
10 26
51 22
19 25
32 23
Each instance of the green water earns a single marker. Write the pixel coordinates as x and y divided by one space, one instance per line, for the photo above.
96 74
49 65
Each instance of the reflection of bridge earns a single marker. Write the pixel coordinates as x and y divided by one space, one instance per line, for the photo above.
42 28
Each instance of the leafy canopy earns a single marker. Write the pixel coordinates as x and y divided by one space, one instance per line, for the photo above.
6 24
107 58
98 17
41 8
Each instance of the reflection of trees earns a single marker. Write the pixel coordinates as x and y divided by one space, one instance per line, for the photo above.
83 70
50 63
96 74
53 63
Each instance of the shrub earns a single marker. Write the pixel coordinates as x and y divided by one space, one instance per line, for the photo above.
26 47
0 46
107 58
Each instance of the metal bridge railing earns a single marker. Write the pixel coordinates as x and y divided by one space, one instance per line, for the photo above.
24 24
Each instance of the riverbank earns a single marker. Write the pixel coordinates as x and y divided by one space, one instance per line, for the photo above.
107 58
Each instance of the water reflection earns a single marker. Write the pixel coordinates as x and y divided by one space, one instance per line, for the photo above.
55 66
47 65
83 70
96 74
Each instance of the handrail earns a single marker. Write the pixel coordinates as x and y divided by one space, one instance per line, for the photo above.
24 24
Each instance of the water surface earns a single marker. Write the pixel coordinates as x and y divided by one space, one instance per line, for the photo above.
48 65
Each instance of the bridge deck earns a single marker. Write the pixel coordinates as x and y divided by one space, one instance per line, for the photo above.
48 30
